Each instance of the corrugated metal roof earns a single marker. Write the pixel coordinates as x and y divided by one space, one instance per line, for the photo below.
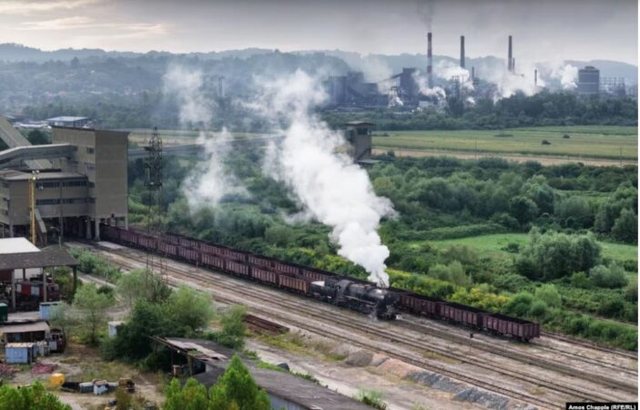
17 327
42 259
17 245
67 118
21 176
19 345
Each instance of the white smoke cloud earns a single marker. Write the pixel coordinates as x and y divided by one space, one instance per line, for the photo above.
186 85
208 183
567 74
507 83
329 186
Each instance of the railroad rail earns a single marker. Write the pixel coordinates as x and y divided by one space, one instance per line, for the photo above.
394 337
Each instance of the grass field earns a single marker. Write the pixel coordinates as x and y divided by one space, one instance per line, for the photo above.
495 243
612 142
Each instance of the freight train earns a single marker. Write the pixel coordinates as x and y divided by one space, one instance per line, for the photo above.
330 287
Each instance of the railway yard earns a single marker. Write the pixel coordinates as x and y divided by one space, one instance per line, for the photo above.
435 359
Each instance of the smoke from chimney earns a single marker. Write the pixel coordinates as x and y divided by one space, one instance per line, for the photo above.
429 62
510 56
462 51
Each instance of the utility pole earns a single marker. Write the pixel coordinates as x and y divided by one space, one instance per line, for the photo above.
153 181
32 204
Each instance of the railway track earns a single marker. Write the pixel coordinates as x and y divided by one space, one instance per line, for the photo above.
572 393
532 348
529 359
590 345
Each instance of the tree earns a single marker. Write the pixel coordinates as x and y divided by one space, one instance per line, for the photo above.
608 277
548 294
132 341
523 209
625 228
189 310
63 317
191 396
233 327
29 397
520 304
236 389
37 137
92 307
142 284
554 255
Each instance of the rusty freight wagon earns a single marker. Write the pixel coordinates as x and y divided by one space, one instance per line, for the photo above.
510 326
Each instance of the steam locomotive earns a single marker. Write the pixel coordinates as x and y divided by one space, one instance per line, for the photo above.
367 299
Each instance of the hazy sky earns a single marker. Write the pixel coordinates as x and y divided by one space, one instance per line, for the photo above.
542 29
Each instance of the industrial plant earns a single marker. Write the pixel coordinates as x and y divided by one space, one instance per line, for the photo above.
425 87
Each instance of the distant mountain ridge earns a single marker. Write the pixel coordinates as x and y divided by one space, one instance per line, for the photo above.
377 66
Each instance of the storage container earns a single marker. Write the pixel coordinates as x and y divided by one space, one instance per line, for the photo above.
46 308
18 353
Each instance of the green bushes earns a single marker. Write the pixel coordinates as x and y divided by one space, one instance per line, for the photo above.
29 397
608 277
549 295
554 255
92 264
372 398
454 273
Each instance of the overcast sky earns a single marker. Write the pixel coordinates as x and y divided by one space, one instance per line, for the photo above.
542 29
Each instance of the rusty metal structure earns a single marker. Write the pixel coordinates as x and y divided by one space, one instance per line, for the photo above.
153 165
302 279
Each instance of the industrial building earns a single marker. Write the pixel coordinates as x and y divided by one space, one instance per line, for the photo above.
358 135
69 122
73 184
589 81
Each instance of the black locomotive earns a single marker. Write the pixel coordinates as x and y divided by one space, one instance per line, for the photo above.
367 299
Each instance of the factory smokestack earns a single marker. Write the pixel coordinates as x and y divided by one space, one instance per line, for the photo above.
535 77
510 56
462 51
429 61
473 73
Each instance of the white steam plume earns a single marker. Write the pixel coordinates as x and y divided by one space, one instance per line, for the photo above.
208 182
567 74
330 187
186 85
449 70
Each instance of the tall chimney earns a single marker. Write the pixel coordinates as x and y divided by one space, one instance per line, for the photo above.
535 77
473 73
510 58
429 61
462 51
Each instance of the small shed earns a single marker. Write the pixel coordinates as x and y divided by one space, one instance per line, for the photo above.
26 331
19 353
42 259
17 246
113 327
